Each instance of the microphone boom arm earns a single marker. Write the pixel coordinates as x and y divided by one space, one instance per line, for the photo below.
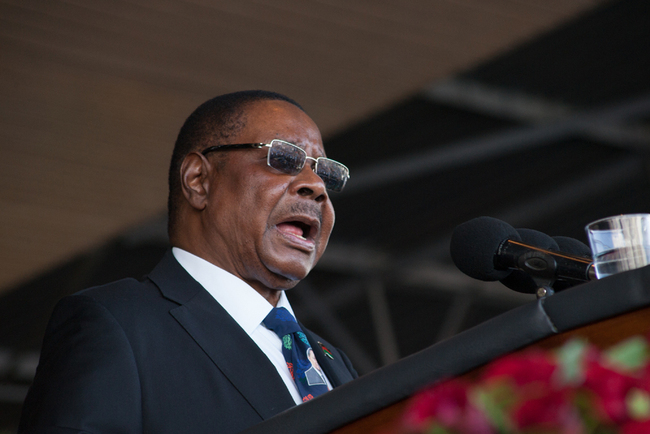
545 266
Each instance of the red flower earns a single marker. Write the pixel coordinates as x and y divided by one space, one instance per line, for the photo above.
532 393
644 378
634 427
529 367
552 411
610 388
445 402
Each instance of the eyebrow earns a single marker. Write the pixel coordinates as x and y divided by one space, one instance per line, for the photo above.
320 153
293 142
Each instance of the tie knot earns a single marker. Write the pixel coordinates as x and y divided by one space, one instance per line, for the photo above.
281 322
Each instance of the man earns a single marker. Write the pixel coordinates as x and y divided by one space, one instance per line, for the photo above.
192 347
314 373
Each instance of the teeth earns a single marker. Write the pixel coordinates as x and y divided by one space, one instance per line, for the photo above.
302 238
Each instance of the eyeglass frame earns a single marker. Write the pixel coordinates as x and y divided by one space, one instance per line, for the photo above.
268 156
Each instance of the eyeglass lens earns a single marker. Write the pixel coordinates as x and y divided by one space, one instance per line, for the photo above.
286 158
331 173
290 159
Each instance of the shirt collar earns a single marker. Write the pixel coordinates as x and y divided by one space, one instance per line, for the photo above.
247 306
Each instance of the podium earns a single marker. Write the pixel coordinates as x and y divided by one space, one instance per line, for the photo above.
604 311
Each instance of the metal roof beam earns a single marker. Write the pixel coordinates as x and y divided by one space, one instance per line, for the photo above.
482 148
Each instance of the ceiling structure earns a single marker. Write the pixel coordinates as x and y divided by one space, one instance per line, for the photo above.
532 112
95 91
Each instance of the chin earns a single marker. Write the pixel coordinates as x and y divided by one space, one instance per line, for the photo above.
289 285
290 274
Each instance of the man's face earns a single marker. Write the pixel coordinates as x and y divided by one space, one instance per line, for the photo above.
264 226
312 358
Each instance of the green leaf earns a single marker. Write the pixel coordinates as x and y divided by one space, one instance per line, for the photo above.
630 354
638 404
570 358
438 429
496 401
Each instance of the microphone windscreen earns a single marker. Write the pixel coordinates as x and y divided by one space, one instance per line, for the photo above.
518 280
475 243
572 246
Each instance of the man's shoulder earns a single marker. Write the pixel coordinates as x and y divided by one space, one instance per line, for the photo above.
129 290
121 295
119 289
128 304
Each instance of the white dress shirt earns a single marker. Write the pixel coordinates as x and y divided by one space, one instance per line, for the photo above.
246 306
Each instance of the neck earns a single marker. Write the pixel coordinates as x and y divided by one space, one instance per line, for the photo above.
269 294
195 246
272 296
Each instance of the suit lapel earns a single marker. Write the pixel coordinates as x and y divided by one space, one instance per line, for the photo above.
222 339
334 368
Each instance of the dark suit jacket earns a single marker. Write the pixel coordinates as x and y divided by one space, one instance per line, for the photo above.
158 356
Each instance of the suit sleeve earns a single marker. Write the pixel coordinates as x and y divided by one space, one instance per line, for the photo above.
87 379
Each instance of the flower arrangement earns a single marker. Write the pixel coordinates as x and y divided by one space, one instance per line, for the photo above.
575 389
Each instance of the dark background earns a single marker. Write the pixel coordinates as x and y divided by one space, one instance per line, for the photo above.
550 134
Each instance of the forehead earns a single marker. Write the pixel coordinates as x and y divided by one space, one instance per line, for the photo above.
267 120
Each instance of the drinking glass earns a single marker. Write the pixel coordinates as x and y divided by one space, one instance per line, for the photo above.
619 243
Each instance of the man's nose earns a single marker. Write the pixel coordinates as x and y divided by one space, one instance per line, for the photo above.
308 183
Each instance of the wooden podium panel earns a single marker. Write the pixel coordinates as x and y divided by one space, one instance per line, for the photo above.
606 333
602 334
376 422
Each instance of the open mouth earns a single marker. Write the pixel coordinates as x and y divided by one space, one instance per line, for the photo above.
298 229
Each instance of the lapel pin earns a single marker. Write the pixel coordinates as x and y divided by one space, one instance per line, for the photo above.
327 352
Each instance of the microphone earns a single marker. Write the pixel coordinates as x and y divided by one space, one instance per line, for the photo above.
576 248
488 249
521 281
573 246
473 246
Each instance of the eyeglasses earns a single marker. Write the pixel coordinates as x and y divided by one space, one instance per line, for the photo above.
290 159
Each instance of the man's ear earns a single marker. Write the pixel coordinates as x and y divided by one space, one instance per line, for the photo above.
195 179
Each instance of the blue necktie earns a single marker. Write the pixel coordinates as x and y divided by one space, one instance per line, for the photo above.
297 352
